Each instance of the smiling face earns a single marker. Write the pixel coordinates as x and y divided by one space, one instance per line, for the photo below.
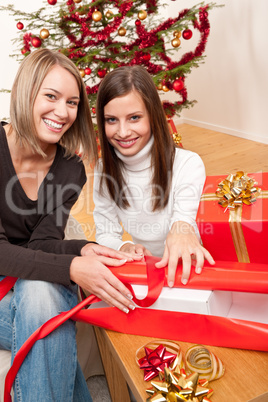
127 123
56 105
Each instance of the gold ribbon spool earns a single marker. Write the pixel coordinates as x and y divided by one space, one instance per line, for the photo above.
200 360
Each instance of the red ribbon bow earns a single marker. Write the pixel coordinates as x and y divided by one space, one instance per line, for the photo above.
155 361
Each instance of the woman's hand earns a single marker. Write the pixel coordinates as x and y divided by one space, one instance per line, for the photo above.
135 250
182 243
91 273
107 251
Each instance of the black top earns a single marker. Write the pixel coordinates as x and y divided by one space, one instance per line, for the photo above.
32 232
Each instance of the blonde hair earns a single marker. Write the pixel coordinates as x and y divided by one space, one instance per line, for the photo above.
32 71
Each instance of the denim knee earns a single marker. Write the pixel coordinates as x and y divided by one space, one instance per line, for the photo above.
38 301
52 361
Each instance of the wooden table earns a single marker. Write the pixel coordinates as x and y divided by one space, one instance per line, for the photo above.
246 371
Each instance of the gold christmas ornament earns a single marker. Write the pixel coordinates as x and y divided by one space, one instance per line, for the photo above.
77 1
122 31
160 86
177 34
142 15
44 33
109 14
82 72
165 88
176 42
177 138
97 16
82 11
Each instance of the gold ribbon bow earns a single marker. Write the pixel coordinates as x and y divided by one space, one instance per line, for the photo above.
178 387
237 189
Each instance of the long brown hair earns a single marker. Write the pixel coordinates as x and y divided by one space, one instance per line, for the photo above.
32 71
120 82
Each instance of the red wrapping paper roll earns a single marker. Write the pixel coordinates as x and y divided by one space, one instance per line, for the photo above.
224 275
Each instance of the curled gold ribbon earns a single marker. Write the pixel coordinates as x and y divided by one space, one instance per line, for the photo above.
237 189
200 360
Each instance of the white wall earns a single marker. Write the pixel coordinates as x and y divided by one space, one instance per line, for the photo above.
231 87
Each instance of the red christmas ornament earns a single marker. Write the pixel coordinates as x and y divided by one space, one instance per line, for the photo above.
146 57
187 34
52 2
20 25
137 23
36 42
93 110
87 70
23 51
178 85
102 73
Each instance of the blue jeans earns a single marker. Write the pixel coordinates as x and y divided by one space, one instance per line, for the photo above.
50 371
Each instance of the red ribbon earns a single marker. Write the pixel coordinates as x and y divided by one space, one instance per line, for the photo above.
155 280
185 327
6 285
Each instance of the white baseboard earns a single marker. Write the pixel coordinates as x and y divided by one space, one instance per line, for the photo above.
221 129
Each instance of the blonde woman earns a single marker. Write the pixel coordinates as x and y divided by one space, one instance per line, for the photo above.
41 178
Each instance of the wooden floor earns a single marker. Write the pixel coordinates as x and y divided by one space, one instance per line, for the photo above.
221 154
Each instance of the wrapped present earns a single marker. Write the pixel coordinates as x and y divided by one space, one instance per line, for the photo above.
233 217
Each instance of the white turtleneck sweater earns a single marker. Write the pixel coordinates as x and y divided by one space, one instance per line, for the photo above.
146 227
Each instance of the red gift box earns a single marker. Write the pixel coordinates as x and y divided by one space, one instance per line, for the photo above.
239 235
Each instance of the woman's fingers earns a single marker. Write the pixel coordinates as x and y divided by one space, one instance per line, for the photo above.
199 256
186 267
92 275
115 293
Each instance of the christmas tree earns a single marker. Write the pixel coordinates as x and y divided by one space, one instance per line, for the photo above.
101 35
